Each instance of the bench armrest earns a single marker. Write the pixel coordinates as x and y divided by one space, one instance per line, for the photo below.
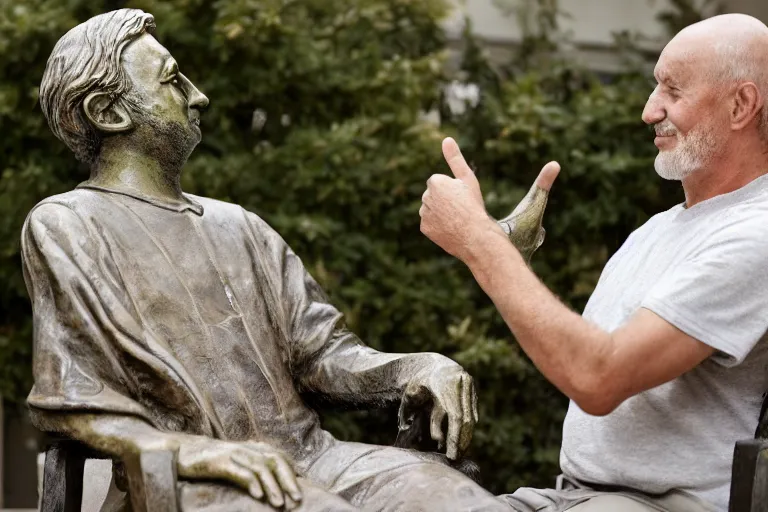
151 477
749 480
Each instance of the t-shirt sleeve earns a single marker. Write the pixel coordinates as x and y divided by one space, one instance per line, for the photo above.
92 351
77 318
719 295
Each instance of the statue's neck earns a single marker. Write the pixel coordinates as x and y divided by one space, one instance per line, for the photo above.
134 172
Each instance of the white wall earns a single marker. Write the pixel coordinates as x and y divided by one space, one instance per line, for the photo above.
757 8
589 24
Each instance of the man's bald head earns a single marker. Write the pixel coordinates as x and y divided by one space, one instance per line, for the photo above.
730 47
711 99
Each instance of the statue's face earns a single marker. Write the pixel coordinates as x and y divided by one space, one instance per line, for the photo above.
170 104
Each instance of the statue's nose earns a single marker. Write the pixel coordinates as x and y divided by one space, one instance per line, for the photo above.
198 100
195 98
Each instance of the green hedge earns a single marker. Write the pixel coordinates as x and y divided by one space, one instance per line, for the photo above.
339 166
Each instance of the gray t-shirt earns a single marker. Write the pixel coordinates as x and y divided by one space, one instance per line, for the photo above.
705 270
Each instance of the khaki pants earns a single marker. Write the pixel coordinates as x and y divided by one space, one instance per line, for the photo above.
575 497
609 503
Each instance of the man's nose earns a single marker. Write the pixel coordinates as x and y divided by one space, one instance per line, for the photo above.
653 112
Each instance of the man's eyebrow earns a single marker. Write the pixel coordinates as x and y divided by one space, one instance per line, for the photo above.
664 78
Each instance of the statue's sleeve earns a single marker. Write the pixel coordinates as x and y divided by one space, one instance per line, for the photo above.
81 317
326 357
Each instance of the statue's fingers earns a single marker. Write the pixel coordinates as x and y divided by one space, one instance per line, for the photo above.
243 474
454 435
289 503
270 485
548 175
474 405
255 490
467 416
466 395
436 425
286 477
262 466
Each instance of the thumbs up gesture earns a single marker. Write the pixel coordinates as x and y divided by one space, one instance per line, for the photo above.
453 211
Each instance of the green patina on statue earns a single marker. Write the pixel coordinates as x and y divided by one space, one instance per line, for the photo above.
167 323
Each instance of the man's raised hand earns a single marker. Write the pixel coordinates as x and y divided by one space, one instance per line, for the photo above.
461 169
452 211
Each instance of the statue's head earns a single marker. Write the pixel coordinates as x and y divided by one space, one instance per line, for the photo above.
109 82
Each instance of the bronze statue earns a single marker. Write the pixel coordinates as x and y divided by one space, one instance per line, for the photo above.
166 321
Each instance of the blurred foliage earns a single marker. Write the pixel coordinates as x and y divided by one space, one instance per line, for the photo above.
316 123
682 13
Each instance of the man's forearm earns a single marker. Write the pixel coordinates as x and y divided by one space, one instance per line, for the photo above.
572 353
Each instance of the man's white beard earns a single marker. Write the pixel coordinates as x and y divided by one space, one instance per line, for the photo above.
693 151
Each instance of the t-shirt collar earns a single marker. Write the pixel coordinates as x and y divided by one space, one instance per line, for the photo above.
756 186
166 204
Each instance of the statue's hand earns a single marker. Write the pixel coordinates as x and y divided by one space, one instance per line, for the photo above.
256 467
523 225
451 393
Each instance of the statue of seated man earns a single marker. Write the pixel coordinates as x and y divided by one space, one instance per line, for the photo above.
169 321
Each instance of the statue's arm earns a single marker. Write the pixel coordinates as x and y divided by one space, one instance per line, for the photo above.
325 358
329 361
348 372
257 468
432 389
116 435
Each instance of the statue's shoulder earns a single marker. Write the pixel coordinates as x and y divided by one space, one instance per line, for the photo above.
215 206
223 211
78 201
60 215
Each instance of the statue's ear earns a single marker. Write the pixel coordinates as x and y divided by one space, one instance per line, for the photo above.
106 114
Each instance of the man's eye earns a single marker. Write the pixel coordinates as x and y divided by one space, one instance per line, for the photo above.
176 81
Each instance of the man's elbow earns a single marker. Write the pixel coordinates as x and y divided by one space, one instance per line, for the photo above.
596 396
597 406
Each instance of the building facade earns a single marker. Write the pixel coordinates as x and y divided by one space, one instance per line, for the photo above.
589 25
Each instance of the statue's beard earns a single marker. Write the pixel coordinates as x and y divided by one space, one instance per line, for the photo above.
168 142
693 151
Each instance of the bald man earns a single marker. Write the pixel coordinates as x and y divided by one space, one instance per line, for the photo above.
666 367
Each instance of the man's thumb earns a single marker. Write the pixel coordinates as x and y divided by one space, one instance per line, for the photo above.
456 162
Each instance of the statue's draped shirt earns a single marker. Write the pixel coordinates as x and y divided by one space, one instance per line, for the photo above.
195 316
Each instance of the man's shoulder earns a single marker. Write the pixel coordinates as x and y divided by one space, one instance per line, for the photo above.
650 228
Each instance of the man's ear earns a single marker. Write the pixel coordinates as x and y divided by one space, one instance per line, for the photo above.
106 114
746 105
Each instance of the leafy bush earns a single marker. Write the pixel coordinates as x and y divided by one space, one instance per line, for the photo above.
316 124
